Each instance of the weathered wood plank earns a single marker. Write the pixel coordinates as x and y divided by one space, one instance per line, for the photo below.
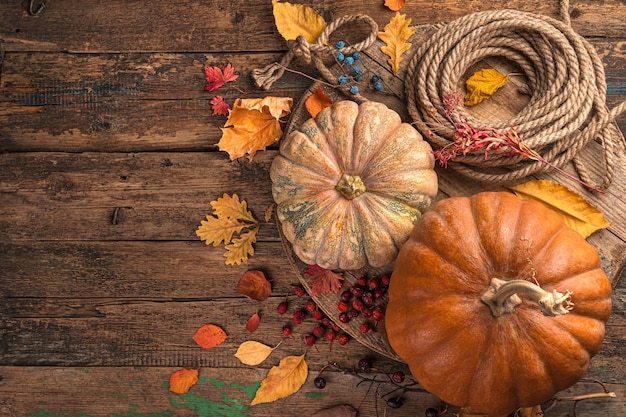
227 26
148 102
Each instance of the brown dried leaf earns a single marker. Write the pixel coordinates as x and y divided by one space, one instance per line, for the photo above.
282 380
253 284
209 336
253 322
182 380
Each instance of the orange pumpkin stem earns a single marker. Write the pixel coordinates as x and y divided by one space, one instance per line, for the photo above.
501 297
350 186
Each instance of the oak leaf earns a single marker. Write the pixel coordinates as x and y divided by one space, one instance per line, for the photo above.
282 380
216 230
483 84
253 125
253 284
293 20
253 323
231 207
395 36
577 213
394 5
253 353
324 280
209 336
317 101
216 78
241 248
220 107
182 380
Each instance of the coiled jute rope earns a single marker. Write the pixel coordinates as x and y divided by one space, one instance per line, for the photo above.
318 53
567 107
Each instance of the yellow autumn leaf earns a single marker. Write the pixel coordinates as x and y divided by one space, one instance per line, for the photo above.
253 125
253 353
217 230
483 84
395 5
577 212
395 36
269 212
231 208
282 380
293 20
240 248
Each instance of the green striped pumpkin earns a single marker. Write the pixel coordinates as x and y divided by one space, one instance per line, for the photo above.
350 183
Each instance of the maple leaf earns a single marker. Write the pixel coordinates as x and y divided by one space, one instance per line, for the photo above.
209 336
282 380
239 249
253 284
483 84
182 380
395 5
293 20
396 34
220 107
317 101
324 280
253 125
216 78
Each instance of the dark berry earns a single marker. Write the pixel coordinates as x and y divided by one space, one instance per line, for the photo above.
311 306
326 321
357 290
431 412
364 328
365 364
385 279
377 314
345 296
287 330
336 328
357 304
361 281
318 331
352 314
298 317
394 403
343 339
373 283
318 315
282 307
367 312
368 299
299 290
319 382
343 317
379 292
330 335
398 377
309 340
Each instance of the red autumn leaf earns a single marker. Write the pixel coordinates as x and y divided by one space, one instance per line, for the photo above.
253 284
209 336
216 78
324 280
182 380
253 323
220 107
317 101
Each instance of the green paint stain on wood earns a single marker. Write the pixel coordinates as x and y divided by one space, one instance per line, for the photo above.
316 394
132 412
206 408
249 390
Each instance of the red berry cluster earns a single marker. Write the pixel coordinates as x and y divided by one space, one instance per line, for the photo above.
364 298
324 327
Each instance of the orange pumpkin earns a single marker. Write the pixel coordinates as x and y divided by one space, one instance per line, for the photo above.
495 304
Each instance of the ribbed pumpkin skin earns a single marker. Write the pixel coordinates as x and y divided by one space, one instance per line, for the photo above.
368 141
454 346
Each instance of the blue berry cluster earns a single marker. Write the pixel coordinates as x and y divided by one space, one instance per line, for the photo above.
356 72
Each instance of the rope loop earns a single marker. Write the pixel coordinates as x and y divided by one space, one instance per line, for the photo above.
567 108
317 52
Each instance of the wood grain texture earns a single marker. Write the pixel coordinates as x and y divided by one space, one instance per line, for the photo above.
108 163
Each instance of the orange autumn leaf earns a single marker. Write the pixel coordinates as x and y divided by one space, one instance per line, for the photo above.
209 336
253 125
253 284
395 5
182 380
317 101
253 323
395 36
282 380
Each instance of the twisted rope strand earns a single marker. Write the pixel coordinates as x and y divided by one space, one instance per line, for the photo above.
567 108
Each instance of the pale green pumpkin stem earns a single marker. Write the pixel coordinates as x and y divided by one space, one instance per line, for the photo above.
501 297
350 186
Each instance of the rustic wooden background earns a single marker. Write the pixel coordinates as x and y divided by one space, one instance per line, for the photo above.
103 111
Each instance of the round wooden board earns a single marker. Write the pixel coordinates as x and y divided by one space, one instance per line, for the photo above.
507 101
